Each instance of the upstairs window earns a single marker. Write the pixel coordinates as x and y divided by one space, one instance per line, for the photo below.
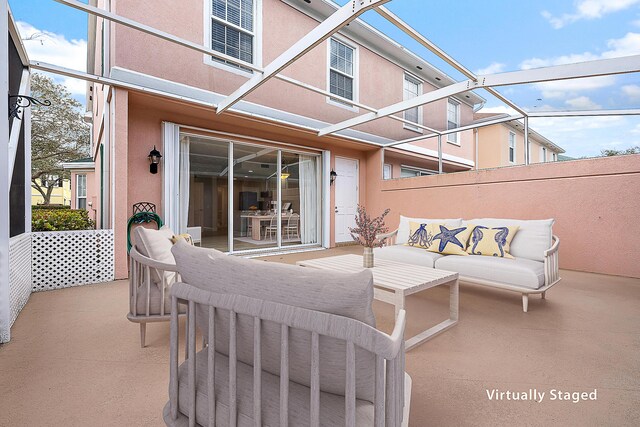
453 120
512 147
341 70
232 29
412 88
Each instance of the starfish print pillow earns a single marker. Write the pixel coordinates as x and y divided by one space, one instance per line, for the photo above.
450 240
489 241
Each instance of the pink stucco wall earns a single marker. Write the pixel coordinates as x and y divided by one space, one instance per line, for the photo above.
379 80
122 209
594 203
138 128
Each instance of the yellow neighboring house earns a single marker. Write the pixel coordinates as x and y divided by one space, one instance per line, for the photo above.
61 194
503 144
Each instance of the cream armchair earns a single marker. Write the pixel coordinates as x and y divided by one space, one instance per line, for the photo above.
152 272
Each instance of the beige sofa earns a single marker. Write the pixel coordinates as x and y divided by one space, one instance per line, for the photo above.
533 270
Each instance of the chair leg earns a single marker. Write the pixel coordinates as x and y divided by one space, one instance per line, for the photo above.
143 334
525 302
544 295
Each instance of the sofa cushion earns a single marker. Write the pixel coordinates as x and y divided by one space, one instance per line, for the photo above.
520 272
154 301
332 407
488 241
532 239
348 295
403 228
156 244
408 254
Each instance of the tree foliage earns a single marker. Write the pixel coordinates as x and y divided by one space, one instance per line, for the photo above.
58 134
61 219
610 153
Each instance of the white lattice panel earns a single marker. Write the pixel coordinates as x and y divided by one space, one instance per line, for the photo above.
62 259
19 273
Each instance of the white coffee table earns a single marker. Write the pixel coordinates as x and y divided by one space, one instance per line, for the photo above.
393 281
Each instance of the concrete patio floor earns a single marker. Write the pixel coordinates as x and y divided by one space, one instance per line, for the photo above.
74 359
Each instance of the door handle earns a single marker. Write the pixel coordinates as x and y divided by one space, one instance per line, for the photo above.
335 209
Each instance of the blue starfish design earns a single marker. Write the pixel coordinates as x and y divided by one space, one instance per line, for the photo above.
448 236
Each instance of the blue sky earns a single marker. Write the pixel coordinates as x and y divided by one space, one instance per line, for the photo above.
486 36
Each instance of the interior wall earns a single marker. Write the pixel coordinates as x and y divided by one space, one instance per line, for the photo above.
593 201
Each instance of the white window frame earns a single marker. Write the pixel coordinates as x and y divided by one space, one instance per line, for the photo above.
543 154
419 171
410 77
387 171
453 138
257 38
78 197
356 73
512 138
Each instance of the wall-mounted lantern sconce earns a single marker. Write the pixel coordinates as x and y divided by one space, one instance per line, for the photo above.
154 158
332 177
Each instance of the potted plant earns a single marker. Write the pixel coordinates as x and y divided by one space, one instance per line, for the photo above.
366 233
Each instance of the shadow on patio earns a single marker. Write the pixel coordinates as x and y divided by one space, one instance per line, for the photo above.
74 359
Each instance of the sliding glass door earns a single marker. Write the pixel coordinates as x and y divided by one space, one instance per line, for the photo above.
300 199
247 197
255 190
206 197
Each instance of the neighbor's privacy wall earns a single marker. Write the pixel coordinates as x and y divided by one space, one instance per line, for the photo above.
594 201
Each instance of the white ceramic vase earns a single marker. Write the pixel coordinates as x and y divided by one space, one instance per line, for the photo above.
367 258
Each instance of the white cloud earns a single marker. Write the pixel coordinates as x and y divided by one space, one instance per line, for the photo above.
56 49
587 136
582 103
564 89
625 46
632 92
588 9
493 68
575 125
616 48
558 60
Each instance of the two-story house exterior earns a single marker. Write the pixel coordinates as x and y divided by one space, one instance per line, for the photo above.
503 144
222 176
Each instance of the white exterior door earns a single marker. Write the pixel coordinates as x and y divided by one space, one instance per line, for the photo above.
346 197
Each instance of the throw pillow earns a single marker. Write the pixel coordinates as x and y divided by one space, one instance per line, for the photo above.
185 236
491 241
450 240
421 234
